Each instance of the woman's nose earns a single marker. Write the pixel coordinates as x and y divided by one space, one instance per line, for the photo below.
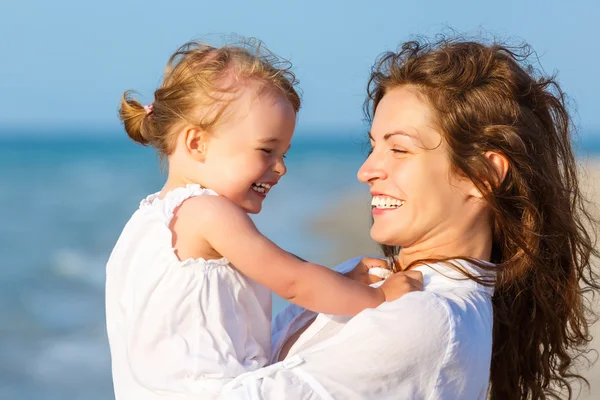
371 170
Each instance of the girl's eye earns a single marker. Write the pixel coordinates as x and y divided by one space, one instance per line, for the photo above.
399 151
268 151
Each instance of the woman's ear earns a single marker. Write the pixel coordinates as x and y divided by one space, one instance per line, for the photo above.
500 164
196 141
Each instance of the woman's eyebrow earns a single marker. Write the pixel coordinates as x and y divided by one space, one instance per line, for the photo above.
394 133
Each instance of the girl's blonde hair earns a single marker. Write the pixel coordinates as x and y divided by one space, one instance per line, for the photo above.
197 89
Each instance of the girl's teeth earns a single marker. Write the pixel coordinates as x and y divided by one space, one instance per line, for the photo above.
386 202
261 187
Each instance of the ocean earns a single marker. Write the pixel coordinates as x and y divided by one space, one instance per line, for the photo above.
63 204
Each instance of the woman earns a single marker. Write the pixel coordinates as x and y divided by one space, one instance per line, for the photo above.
473 180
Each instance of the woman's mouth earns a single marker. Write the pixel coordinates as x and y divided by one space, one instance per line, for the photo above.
381 204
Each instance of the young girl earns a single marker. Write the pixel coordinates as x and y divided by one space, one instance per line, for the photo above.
187 288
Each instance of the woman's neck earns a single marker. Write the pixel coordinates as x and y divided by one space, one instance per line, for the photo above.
465 237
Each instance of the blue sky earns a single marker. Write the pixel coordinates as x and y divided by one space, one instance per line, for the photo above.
65 63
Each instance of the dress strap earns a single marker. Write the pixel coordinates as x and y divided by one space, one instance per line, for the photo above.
173 199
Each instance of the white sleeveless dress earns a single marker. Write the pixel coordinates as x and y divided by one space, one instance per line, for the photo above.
179 329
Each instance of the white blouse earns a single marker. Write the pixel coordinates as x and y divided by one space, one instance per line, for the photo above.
179 329
432 345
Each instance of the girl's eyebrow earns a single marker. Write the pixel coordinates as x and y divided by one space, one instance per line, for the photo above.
269 139
272 139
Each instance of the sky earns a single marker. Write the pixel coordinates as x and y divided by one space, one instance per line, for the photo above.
65 63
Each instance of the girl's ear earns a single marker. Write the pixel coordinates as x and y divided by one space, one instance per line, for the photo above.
196 141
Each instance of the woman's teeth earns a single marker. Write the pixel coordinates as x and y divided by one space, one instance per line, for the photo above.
261 187
386 202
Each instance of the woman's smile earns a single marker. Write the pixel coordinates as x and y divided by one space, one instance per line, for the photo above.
382 204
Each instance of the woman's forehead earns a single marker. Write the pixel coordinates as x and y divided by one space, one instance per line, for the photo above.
403 113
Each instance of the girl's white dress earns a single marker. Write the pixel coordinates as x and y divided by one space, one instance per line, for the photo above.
179 329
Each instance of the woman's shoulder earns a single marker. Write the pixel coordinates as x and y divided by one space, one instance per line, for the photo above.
426 311
450 335
434 319
417 316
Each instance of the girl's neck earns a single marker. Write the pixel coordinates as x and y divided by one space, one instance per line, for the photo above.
176 180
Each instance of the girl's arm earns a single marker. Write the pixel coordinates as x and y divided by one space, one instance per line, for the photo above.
231 232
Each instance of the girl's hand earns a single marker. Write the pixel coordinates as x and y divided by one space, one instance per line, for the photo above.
361 273
402 283
369 270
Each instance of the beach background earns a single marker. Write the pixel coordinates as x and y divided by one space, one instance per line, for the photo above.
68 201
70 178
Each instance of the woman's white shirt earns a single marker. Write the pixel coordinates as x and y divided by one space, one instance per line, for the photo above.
434 344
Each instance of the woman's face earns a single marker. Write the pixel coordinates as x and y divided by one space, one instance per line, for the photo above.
417 200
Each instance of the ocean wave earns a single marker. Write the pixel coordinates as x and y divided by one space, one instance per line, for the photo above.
78 265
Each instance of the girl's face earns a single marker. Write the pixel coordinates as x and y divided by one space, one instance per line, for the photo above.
417 200
244 157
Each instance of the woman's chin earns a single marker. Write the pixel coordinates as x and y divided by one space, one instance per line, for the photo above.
383 237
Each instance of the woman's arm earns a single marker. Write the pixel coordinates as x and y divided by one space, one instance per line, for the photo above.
394 351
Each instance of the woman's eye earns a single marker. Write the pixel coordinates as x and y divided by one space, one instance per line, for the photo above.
399 151
268 151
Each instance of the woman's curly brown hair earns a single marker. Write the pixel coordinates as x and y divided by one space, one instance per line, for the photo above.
486 98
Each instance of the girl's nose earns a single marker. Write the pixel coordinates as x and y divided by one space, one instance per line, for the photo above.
279 167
